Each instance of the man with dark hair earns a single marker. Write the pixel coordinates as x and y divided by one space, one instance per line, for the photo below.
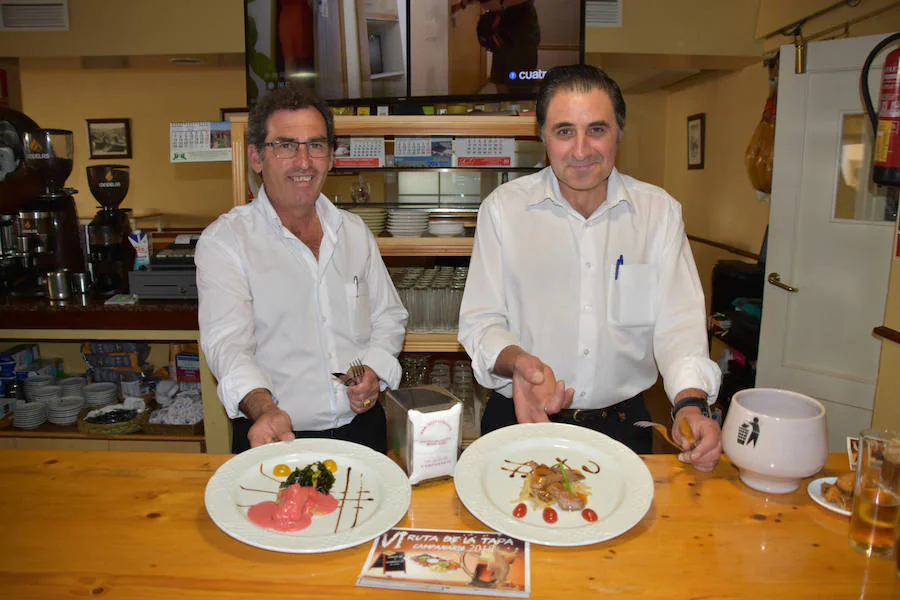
583 273
293 289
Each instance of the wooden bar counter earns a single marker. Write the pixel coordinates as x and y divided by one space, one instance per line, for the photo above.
134 525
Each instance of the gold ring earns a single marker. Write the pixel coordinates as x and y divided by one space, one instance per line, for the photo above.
365 403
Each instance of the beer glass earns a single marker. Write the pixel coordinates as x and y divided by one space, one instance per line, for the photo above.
876 494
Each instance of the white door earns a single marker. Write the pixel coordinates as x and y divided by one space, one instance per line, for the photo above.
828 238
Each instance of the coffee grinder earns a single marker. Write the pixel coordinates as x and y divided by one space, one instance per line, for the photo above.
111 254
48 225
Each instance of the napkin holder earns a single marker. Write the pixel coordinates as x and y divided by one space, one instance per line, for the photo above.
424 431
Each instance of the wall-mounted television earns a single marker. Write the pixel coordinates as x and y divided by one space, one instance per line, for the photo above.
357 52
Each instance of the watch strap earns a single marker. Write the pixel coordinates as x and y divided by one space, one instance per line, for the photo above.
698 401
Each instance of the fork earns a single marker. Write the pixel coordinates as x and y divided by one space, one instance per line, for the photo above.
356 370
660 429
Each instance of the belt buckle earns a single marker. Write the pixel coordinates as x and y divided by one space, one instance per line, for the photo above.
576 416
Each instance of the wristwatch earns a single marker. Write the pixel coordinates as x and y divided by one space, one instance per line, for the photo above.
698 401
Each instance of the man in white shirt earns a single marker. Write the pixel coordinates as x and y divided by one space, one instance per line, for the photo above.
582 273
292 289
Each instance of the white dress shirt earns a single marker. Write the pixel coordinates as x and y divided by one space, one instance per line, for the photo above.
272 316
545 278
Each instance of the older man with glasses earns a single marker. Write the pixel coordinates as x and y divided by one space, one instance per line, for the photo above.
293 289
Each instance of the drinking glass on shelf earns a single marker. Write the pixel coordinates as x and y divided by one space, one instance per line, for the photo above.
875 517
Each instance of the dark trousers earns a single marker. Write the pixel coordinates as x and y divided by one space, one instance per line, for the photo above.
616 421
368 429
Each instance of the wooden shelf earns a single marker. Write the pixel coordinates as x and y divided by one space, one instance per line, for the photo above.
425 246
463 125
432 342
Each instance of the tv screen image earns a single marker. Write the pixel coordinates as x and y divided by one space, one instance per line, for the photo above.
384 51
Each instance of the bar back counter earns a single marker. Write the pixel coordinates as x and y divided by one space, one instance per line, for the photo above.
159 321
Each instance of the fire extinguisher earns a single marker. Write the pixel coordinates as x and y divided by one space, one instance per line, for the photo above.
886 124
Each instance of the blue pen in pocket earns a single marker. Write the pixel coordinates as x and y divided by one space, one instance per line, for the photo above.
619 263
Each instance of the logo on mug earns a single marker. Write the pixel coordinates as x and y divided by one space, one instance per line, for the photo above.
748 432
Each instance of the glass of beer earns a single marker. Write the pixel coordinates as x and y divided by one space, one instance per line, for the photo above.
875 518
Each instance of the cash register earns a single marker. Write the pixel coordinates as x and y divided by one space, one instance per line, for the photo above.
171 274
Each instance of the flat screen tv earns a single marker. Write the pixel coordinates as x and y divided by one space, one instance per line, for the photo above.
366 52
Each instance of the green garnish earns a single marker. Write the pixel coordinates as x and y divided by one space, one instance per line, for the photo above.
562 468
315 475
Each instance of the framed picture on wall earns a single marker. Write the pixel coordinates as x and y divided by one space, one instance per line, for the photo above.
696 140
109 138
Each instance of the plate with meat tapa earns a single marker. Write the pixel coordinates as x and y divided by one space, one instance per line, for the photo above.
554 484
367 495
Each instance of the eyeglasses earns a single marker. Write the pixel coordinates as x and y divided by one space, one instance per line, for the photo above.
289 148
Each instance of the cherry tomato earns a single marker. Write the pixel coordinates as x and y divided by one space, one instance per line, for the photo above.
589 515
550 515
281 471
330 465
520 510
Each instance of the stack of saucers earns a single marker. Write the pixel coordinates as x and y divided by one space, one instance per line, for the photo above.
72 386
65 412
98 394
29 415
372 216
45 393
37 381
445 227
407 223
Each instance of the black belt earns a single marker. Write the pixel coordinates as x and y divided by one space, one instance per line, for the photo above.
585 415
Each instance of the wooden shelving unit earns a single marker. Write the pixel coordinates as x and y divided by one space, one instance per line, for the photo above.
431 342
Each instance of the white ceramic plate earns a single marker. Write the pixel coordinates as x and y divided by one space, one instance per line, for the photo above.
814 489
372 491
488 482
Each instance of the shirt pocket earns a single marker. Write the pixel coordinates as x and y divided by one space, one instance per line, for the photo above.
632 295
360 310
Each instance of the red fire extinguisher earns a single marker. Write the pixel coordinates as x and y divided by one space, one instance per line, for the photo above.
886 124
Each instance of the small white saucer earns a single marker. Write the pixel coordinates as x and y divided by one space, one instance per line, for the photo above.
814 489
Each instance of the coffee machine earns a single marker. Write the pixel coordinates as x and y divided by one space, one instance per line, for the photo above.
111 254
47 235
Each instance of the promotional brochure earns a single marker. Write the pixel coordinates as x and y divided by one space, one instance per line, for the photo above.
458 562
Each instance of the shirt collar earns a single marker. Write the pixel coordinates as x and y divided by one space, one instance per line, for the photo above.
616 191
329 215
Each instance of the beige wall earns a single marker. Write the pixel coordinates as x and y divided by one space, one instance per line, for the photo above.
191 194
719 201
135 27
876 16
643 153
685 27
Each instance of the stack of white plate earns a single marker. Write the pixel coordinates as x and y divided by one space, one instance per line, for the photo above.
45 393
373 217
37 381
98 394
65 412
72 386
445 227
407 223
29 415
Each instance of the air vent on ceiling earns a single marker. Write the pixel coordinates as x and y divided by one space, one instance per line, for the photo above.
603 13
34 15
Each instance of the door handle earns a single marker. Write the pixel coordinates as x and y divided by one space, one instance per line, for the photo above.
775 279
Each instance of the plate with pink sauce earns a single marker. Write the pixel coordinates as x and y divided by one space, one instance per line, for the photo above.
368 496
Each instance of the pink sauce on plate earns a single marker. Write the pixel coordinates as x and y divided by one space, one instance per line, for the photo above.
294 509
